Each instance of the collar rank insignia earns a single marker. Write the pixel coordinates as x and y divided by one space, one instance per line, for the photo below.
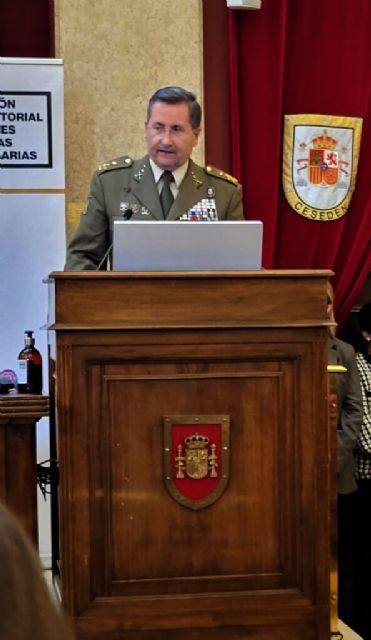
196 179
139 174
196 458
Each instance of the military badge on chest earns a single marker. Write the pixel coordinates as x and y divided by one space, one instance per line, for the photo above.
196 458
203 211
134 209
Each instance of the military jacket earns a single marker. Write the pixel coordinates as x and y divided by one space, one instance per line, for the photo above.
123 186
126 187
350 412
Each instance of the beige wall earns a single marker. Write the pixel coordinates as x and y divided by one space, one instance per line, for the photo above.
116 54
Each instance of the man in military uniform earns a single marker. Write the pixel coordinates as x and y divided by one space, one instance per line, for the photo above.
164 185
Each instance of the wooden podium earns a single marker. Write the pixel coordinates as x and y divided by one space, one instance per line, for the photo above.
249 348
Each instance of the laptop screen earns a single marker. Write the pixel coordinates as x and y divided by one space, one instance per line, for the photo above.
187 246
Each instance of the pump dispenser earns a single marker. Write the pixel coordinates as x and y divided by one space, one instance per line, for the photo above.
29 366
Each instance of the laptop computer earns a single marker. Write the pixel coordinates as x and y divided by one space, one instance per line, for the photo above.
187 246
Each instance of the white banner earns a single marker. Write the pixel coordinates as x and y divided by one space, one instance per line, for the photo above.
31 124
32 212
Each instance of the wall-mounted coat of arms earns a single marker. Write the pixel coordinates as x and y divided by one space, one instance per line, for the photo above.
320 159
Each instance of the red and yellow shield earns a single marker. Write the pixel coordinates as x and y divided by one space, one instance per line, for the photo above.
320 159
196 458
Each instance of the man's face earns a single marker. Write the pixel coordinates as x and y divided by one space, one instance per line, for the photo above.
169 135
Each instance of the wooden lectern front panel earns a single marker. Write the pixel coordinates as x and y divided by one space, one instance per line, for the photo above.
140 565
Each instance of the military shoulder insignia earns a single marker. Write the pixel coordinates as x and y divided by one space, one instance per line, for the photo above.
119 163
221 174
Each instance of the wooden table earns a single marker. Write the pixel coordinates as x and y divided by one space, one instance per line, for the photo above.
18 488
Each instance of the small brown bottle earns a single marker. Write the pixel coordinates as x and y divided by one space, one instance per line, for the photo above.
29 367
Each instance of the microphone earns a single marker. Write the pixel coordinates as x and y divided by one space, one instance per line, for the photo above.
126 215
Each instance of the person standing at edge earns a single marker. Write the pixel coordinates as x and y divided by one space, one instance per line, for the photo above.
350 415
363 475
28 610
164 185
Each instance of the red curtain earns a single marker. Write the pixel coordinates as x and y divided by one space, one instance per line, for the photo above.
27 28
293 57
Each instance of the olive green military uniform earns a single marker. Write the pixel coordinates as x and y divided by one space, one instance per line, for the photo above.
124 185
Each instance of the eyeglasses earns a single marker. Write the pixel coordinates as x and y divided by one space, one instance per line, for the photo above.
175 130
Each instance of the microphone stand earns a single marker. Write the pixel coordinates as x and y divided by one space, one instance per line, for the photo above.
127 215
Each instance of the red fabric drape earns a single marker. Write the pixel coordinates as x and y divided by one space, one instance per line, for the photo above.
296 58
27 28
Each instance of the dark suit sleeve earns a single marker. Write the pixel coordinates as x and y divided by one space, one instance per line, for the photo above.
351 411
92 237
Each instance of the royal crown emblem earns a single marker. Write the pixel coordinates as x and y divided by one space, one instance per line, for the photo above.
196 458
320 164
323 162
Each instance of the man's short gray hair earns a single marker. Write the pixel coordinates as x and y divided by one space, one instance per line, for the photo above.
177 95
